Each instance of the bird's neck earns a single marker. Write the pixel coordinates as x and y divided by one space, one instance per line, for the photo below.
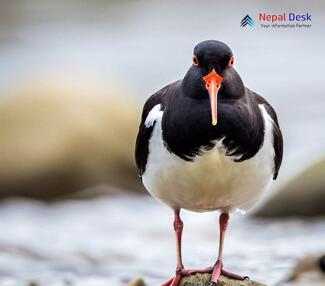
232 86
187 123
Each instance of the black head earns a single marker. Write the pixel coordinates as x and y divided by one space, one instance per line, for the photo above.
212 75
209 55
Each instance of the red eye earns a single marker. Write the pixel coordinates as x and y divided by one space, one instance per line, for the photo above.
195 61
231 62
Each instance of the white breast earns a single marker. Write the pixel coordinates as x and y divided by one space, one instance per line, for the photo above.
212 181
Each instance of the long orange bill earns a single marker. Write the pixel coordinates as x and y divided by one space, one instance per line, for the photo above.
212 84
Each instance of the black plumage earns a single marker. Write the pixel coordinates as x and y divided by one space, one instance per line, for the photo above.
186 123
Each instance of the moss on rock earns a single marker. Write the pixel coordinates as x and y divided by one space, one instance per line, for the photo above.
204 280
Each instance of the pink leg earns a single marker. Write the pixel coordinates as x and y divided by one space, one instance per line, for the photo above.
218 267
216 270
178 227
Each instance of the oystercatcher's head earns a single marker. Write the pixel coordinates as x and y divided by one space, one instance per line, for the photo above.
211 61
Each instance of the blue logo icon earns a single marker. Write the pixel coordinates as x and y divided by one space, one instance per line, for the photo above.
247 20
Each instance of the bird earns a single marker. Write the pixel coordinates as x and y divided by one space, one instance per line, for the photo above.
208 143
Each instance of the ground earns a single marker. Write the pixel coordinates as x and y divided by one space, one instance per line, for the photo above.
204 280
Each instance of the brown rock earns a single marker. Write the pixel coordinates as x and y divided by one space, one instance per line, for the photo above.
137 282
204 280
303 195
60 136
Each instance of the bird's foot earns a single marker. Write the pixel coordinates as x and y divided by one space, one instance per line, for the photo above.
174 281
218 270
215 271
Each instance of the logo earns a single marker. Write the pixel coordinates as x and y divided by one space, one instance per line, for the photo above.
247 20
278 21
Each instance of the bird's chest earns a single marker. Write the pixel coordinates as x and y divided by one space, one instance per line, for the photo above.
211 181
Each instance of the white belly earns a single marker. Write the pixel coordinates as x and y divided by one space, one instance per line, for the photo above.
212 181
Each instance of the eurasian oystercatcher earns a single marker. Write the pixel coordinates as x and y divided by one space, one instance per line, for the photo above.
208 143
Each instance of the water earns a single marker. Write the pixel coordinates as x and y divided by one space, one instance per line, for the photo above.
108 241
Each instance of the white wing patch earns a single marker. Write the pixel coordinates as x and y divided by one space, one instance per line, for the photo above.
153 115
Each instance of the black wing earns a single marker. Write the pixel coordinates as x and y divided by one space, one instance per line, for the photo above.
277 135
144 134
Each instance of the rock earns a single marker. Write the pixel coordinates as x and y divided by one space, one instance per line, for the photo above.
310 268
304 195
137 282
204 280
59 136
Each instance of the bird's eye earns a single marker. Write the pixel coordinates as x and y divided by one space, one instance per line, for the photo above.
195 61
231 62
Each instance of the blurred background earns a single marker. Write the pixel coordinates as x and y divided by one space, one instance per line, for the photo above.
73 79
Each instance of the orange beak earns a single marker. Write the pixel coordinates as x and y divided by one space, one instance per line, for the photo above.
212 84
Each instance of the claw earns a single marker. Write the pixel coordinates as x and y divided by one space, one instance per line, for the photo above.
174 281
233 275
168 282
216 272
